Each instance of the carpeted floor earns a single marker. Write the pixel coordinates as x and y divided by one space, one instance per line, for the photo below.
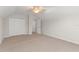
37 43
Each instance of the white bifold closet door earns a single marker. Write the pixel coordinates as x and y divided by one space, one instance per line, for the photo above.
17 26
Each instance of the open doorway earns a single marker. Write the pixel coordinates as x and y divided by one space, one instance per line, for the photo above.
36 26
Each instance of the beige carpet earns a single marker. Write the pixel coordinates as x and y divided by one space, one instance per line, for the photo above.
37 43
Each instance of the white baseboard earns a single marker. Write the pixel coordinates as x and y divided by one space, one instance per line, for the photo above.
68 40
14 35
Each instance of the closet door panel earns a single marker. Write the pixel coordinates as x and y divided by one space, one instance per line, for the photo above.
17 27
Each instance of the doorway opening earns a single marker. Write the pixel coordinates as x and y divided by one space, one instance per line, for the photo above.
36 26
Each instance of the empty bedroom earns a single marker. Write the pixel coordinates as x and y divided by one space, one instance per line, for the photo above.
39 28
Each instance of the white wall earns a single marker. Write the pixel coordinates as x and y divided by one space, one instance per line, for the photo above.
33 26
5 27
62 23
1 30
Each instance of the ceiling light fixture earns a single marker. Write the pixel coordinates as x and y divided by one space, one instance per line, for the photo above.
37 9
